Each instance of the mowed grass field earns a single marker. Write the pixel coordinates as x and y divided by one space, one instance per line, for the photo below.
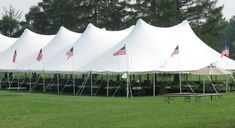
38 110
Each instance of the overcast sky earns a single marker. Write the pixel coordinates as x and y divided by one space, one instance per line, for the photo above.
24 5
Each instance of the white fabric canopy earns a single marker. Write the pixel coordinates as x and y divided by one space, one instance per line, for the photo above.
143 48
149 48
6 42
93 43
61 42
28 44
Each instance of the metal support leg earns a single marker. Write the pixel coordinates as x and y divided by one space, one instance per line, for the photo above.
91 85
74 89
58 83
180 82
44 83
154 84
107 93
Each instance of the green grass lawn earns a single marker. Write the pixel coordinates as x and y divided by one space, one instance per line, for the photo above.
33 110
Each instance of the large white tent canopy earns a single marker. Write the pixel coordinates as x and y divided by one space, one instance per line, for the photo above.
28 44
93 43
62 41
147 49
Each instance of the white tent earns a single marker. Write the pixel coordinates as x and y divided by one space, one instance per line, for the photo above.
193 54
28 44
149 48
93 43
146 47
62 41
6 42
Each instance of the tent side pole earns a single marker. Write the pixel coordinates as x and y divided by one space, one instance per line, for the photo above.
8 79
107 91
154 84
58 83
74 91
44 84
18 83
127 85
180 82
91 85
204 85
30 82
226 83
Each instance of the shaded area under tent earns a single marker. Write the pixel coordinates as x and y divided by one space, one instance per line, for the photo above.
108 84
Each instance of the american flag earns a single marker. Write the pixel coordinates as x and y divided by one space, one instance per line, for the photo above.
69 53
14 57
225 52
39 57
121 51
176 51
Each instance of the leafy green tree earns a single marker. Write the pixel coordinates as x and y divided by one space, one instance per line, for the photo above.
10 22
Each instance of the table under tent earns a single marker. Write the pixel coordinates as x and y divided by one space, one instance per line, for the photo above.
140 60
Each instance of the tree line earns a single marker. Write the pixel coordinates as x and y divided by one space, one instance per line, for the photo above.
204 16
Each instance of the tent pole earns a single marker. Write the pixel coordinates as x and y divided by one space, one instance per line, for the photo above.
30 82
127 85
107 93
91 85
226 83
74 91
154 84
8 79
204 85
180 82
18 83
58 83
44 84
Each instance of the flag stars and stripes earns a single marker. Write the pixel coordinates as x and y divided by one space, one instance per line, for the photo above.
69 53
225 52
176 51
14 56
39 57
120 52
